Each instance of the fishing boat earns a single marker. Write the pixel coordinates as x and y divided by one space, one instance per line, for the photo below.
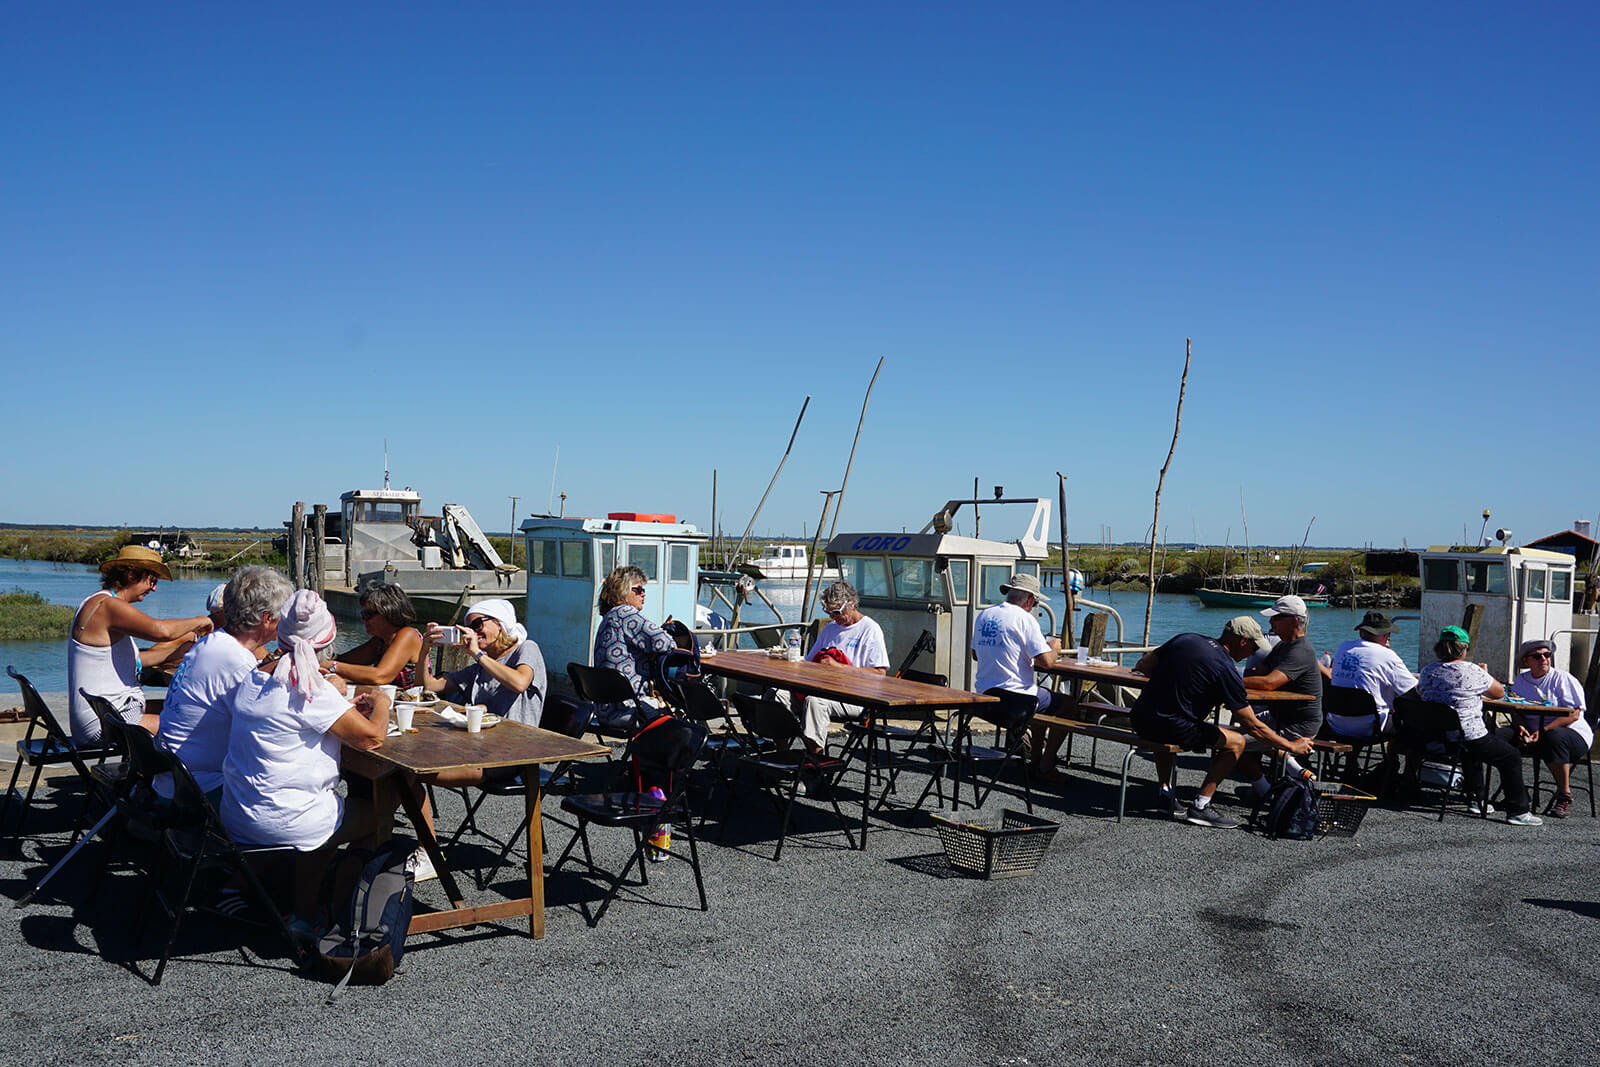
787 561
1242 598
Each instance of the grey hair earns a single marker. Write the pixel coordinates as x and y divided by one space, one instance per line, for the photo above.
252 593
1017 596
840 596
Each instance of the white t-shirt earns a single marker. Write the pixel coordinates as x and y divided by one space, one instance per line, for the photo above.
1557 688
863 643
194 718
1006 638
1362 664
282 765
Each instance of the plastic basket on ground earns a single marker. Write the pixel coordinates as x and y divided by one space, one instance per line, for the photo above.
1340 808
1008 845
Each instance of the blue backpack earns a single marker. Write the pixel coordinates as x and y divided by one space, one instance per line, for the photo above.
367 942
670 669
1289 810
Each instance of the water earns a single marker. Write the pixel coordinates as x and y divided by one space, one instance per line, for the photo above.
1173 613
45 662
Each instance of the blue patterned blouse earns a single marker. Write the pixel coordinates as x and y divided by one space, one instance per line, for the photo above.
625 642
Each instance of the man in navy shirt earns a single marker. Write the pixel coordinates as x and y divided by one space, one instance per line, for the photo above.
1189 676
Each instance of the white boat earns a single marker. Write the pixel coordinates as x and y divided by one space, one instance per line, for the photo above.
787 561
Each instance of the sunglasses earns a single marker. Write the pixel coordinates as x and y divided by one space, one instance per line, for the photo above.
478 623
1543 653
638 590
367 613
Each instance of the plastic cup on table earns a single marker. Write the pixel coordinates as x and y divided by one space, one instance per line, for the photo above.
475 718
388 691
402 716
1083 655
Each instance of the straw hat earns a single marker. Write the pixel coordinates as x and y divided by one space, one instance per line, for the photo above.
145 559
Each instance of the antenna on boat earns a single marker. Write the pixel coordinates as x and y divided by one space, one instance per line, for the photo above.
550 503
386 463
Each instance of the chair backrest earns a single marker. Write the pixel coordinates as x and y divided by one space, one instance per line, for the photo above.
1348 701
1427 719
926 678
40 715
667 748
600 685
700 704
565 716
767 719
113 738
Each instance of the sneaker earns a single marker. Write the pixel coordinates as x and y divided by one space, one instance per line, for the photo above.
1560 807
1527 818
1479 808
421 867
1209 816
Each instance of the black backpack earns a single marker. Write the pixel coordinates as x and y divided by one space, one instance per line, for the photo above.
1289 809
668 670
368 938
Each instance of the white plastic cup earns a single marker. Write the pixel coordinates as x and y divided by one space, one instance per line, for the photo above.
475 718
388 691
402 716
1083 656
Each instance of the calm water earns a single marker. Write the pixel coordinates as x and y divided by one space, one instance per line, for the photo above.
45 662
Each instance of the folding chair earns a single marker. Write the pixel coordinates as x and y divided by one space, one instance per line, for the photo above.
52 747
1431 731
1353 703
664 751
598 686
784 760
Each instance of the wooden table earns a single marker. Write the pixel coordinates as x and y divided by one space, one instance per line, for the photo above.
1518 708
868 688
1080 674
434 746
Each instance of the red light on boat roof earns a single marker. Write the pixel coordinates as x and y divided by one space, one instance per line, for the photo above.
640 516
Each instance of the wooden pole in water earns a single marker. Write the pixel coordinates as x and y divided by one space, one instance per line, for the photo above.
811 553
319 534
716 541
297 544
1155 523
795 432
839 506
1067 624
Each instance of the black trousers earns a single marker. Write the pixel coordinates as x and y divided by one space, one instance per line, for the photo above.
1503 757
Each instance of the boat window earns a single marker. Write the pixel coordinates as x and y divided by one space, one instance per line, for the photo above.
575 560
1027 567
960 571
647 558
914 579
1440 575
1560 585
542 557
1486 577
992 576
383 511
677 563
1535 583
866 573
608 556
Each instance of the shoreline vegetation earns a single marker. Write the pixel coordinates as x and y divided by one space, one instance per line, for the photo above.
30 617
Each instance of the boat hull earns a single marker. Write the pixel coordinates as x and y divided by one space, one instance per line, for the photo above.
1228 598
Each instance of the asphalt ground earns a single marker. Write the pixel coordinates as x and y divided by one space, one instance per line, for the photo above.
1149 941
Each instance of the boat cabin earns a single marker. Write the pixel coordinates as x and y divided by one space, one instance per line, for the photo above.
568 560
1525 593
376 527
936 581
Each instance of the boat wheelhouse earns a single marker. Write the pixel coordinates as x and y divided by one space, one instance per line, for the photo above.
1523 593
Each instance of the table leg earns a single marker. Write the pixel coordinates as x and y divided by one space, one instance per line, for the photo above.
532 802
425 838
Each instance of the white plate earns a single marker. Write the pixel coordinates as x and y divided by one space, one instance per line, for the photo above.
459 720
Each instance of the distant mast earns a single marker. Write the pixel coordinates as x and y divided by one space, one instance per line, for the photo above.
386 463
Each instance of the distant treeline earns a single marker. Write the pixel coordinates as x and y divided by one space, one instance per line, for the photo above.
62 547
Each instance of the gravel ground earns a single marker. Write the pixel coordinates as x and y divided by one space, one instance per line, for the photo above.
1146 942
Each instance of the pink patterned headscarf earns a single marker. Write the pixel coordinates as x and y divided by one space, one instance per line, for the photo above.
304 625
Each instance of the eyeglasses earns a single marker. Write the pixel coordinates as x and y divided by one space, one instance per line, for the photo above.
834 613
367 613
638 590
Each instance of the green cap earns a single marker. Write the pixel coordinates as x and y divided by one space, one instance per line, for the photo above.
1455 633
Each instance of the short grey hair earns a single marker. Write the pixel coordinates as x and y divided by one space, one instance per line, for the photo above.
1017 596
251 594
840 596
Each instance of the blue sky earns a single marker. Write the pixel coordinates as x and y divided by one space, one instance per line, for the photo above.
243 246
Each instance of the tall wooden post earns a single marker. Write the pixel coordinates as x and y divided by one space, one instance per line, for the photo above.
319 533
297 544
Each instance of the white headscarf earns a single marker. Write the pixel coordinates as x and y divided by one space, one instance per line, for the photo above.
214 600
304 625
503 613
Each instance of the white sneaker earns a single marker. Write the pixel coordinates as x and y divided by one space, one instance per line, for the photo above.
1527 818
421 867
1476 808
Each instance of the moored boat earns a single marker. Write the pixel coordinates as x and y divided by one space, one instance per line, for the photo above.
1236 598
787 561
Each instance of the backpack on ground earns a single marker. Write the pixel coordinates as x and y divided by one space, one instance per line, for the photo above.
368 938
1289 809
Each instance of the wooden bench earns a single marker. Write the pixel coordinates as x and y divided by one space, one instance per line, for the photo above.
1099 731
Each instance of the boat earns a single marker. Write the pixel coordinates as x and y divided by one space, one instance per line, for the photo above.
1239 598
787 561
444 563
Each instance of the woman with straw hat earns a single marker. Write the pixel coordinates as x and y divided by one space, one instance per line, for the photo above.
101 655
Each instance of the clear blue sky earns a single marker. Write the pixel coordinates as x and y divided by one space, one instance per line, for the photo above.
239 247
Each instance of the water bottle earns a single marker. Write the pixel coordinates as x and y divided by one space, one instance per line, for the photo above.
661 840
791 641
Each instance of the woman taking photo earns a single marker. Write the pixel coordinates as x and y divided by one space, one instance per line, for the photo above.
389 656
101 655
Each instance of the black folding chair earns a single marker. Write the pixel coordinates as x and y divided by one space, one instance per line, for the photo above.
602 686
725 741
46 744
784 760
1430 731
662 753
1352 703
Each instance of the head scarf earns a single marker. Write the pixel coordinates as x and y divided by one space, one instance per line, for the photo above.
305 625
503 613
214 600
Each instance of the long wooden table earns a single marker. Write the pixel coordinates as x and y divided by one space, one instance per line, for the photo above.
871 690
435 746
1082 674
